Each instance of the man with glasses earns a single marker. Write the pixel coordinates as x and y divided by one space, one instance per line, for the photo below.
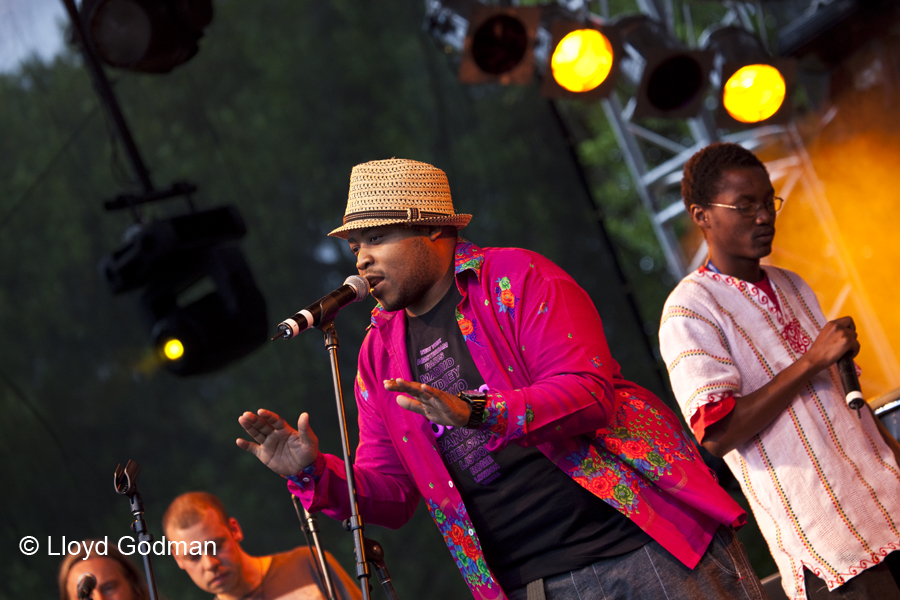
751 359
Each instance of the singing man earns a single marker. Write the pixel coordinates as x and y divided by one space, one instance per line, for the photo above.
485 386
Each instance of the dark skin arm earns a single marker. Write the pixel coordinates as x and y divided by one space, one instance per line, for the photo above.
754 412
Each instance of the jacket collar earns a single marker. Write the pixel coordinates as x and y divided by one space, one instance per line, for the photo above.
467 257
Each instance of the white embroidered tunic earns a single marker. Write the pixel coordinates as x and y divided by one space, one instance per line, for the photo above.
823 485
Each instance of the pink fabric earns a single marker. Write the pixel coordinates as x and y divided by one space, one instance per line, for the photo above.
537 341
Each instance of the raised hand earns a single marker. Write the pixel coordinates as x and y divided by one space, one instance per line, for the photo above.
433 404
285 450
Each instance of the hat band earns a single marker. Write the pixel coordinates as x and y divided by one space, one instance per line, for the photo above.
410 214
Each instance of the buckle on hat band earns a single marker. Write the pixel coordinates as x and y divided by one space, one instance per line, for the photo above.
410 214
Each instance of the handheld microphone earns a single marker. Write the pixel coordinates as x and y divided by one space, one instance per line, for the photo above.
86 585
355 288
847 371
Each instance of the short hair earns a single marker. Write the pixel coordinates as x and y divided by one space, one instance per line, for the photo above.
703 171
188 509
132 575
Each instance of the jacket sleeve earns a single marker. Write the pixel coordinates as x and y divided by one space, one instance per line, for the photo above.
385 493
560 373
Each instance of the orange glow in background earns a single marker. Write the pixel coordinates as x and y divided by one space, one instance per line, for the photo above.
844 241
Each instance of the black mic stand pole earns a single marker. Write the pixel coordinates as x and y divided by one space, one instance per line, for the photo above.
354 524
125 481
310 527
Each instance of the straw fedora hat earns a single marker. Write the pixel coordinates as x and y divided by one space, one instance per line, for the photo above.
398 192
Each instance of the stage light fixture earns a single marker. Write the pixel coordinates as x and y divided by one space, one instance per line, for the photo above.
754 93
151 36
198 296
173 349
671 79
753 88
583 60
499 45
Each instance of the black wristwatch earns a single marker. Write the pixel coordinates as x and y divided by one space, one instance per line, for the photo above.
477 402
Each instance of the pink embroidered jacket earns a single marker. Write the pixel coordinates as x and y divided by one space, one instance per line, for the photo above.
537 341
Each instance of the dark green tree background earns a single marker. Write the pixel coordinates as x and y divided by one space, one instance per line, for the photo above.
282 100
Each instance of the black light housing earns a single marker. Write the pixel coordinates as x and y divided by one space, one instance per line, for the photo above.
671 79
151 36
499 45
197 288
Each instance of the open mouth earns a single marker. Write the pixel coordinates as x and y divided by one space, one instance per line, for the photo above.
373 280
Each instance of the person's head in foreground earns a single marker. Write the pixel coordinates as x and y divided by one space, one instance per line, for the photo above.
117 577
199 520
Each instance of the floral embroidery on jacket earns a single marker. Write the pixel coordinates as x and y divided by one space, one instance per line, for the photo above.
467 328
463 545
496 415
506 300
468 256
362 386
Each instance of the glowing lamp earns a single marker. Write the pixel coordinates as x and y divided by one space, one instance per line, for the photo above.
582 60
173 349
754 93
753 88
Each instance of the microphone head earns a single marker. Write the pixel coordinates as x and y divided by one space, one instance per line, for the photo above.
360 285
86 585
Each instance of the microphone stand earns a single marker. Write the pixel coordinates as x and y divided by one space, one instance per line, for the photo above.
125 482
310 527
354 524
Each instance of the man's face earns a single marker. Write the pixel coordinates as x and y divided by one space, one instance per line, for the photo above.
400 264
218 573
730 234
112 584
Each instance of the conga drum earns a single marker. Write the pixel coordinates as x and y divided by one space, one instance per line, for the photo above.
887 408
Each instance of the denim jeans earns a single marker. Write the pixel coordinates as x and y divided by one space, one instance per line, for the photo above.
651 573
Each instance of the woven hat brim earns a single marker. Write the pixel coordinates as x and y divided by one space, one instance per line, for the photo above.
459 221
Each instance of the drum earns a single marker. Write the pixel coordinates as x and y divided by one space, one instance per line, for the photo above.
887 408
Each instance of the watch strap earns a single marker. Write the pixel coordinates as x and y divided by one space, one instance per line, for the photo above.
477 402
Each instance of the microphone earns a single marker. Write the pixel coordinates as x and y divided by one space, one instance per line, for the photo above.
86 585
847 371
324 309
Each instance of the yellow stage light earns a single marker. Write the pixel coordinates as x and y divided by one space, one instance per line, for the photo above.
582 60
754 93
173 349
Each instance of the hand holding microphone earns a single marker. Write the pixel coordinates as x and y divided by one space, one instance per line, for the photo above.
355 288
837 344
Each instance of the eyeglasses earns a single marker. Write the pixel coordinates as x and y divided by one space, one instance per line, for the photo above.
752 209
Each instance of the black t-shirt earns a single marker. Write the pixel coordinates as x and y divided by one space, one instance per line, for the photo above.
533 521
